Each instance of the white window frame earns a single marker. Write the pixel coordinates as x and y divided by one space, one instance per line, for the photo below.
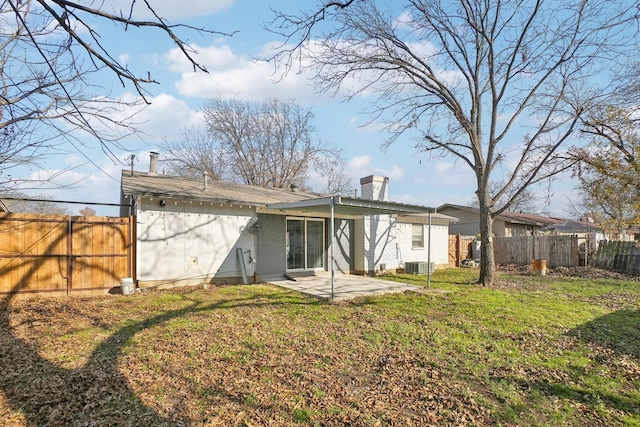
415 242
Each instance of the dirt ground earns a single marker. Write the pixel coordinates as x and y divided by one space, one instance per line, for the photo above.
586 272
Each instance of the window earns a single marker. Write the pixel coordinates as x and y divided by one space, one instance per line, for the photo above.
417 236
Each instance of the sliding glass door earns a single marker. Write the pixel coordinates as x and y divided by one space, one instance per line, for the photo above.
305 244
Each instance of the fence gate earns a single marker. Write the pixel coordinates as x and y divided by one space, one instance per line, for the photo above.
459 249
61 255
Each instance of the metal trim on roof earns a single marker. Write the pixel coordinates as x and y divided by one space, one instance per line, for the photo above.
351 206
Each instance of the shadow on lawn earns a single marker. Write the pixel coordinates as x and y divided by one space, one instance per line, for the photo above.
592 399
95 394
618 331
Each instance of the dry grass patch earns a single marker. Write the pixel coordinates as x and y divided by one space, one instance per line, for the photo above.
259 355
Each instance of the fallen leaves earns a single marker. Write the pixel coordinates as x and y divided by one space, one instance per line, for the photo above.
257 356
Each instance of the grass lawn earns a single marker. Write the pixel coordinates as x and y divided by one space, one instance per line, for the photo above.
532 350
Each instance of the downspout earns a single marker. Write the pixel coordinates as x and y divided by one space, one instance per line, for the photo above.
133 236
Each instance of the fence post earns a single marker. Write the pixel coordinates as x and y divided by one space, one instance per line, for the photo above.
458 251
69 255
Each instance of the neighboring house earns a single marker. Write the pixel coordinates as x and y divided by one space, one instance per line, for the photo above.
193 231
506 224
609 233
571 227
589 235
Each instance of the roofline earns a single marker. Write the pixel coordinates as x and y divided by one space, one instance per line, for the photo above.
354 203
201 195
503 216
171 195
412 217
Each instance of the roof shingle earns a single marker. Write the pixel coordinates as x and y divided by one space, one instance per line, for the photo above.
153 185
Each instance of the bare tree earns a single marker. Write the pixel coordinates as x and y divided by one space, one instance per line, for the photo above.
50 51
525 202
19 202
334 171
194 154
268 144
496 84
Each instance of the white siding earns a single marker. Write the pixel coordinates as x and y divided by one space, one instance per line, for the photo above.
439 244
185 241
380 243
358 245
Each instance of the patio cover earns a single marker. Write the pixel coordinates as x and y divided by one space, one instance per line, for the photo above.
342 205
352 206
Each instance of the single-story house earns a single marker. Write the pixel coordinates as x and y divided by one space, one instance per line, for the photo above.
589 235
507 224
199 230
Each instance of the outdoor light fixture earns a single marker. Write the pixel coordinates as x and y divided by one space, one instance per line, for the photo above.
162 203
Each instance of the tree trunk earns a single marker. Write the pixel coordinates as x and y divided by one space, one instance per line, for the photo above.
487 260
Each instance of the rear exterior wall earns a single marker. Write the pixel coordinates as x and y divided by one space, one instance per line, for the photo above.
439 244
271 246
344 251
186 242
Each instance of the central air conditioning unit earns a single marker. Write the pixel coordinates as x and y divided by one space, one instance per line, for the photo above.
419 267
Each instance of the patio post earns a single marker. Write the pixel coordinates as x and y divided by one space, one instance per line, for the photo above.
429 254
332 241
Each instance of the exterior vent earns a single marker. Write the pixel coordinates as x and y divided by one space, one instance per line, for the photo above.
419 267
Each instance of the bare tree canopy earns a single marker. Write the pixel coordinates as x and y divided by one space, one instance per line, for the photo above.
18 202
497 85
526 202
269 144
50 53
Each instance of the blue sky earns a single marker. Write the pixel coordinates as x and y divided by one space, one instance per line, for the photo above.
414 178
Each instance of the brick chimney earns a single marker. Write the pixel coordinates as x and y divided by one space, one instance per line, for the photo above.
375 187
153 163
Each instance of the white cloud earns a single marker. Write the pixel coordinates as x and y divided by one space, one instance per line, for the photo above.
214 57
231 74
404 20
163 119
443 167
167 116
361 166
124 59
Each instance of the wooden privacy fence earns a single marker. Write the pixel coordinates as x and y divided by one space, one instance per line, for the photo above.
460 248
557 250
619 256
61 255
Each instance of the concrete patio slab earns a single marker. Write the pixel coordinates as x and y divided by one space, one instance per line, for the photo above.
346 286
